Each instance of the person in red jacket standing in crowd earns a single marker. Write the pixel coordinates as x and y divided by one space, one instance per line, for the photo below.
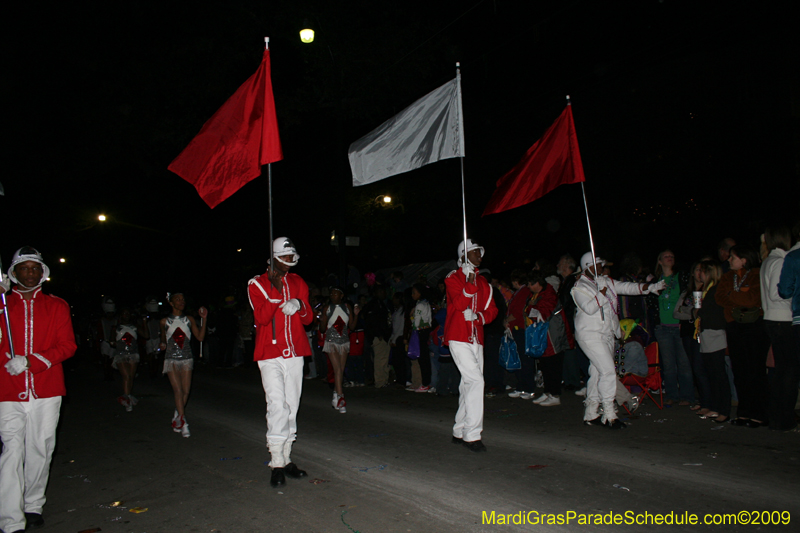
469 307
31 387
281 309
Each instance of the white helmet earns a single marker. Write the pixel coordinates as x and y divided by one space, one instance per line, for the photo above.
151 305
27 253
470 246
283 246
108 305
586 261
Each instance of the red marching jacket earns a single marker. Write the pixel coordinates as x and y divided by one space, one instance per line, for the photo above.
461 296
290 336
42 330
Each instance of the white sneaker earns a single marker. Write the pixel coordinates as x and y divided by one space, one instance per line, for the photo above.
342 406
581 392
540 399
177 423
132 399
515 394
526 395
335 401
633 404
551 401
509 387
185 430
432 390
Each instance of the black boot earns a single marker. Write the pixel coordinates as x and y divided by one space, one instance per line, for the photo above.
292 471
277 479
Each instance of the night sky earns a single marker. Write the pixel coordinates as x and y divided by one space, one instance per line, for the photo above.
686 115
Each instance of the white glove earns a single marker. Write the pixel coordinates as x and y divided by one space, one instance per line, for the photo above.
5 283
535 314
470 315
17 365
655 288
601 283
466 268
290 307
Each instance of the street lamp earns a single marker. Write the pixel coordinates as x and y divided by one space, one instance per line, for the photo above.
62 260
101 218
306 34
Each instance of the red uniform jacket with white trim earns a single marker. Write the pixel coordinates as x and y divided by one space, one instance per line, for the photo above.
461 296
42 330
290 336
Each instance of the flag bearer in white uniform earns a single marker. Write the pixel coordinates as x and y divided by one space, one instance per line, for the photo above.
31 387
469 307
280 305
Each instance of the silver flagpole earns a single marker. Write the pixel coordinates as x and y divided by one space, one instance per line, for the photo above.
269 209
5 314
463 197
589 225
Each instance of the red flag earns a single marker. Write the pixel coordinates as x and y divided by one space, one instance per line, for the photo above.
552 161
234 143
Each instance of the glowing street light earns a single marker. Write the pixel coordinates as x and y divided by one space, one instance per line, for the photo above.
101 218
62 260
306 34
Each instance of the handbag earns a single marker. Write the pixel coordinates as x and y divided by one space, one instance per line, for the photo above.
746 315
509 356
357 342
536 338
413 345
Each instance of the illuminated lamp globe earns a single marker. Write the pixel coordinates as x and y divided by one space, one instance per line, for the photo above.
307 35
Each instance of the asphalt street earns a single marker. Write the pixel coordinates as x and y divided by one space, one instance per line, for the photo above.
388 465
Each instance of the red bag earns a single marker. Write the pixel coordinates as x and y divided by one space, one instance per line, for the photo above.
357 342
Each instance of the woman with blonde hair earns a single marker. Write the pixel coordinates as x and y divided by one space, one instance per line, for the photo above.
710 332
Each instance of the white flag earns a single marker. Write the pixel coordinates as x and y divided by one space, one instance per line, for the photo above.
428 130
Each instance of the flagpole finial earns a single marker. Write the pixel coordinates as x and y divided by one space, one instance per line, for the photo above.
568 101
266 43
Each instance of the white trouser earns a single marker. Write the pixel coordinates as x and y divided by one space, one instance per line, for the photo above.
469 418
28 431
602 384
283 383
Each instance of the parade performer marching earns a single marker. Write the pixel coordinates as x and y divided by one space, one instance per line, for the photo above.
126 356
469 307
176 335
596 328
338 318
280 305
31 387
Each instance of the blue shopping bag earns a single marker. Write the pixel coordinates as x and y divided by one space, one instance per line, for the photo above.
413 345
509 356
536 339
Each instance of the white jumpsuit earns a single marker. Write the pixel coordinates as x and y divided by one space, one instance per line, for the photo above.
596 328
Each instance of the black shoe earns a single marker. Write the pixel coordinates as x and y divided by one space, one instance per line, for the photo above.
475 446
292 471
740 422
456 440
277 479
616 424
33 520
595 422
755 424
